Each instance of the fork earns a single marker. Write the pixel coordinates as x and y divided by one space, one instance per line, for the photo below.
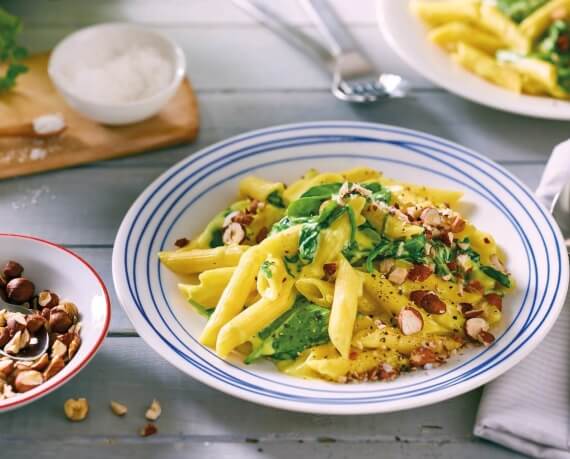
355 79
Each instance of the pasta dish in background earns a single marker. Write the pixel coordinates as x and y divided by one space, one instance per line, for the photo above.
343 276
521 45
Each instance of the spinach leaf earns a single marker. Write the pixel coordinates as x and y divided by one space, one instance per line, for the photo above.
412 250
500 277
275 199
304 207
443 255
311 230
217 238
379 192
309 241
201 309
322 191
518 10
468 251
305 325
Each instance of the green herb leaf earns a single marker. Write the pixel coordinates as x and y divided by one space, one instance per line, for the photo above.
379 192
518 10
305 325
322 191
265 268
217 238
304 207
500 277
275 199
10 53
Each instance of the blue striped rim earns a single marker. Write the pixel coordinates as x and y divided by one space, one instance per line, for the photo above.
289 142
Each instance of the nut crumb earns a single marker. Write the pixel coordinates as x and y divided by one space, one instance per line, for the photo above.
148 429
118 408
154 411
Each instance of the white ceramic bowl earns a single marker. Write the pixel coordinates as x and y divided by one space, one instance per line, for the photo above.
181 201
407 36
53 267
92 46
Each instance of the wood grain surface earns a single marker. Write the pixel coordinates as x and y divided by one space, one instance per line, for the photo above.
244 78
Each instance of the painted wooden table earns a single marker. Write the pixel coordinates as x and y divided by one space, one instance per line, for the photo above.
246 79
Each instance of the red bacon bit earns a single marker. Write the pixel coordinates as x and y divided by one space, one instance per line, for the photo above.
495 300
330 269
182 242
261 235
419 273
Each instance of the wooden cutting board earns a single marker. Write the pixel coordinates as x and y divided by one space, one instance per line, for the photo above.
84 141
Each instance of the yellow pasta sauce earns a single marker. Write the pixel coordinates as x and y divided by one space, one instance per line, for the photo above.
344 276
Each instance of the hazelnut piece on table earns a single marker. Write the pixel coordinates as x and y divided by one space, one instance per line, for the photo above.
20 290
118 408
76 410
148 429
27 380
154 411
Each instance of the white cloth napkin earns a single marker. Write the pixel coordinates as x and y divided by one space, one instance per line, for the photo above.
528 408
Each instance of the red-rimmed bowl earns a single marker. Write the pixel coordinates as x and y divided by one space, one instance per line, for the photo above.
53 267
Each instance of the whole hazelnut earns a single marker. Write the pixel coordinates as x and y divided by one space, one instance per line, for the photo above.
12 269
27 380
20 290
35 322
47 299
59 321
76 410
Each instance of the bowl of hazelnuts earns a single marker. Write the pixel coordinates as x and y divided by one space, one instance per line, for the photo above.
54 315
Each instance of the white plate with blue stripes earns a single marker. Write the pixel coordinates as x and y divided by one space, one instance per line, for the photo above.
184 198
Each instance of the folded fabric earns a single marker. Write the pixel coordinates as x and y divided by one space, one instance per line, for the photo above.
527 409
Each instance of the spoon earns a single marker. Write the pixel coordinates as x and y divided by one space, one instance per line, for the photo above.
561 212
35 348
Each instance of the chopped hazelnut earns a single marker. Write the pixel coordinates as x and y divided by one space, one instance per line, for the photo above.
147 430
27 380
118 408
76 410
154 411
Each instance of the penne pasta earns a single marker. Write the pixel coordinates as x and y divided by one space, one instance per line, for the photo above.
254 319
358 277
347 290
536 24
198 260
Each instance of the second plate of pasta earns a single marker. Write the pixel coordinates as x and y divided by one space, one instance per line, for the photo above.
511 56
340 268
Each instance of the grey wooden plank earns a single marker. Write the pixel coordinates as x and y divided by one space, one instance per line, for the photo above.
236 57
85 205
191 12
175 448
126 370
500 136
